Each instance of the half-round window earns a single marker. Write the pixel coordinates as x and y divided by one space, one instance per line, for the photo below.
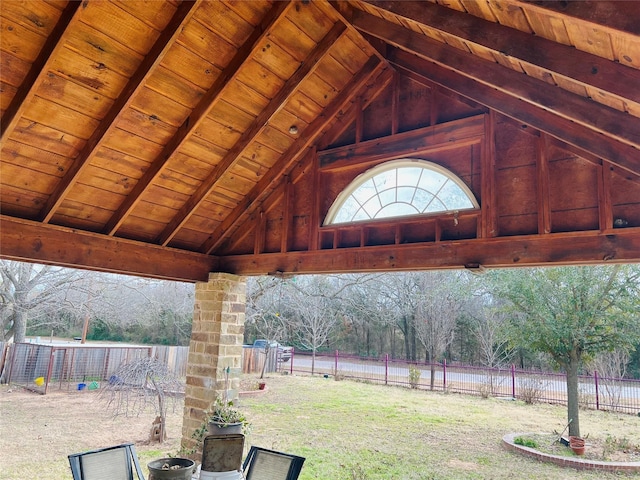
400 188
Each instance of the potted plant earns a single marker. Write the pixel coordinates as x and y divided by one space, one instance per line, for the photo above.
224 418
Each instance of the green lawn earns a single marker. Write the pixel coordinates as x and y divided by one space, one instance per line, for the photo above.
357 431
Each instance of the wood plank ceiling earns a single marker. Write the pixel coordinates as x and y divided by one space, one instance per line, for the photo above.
171 139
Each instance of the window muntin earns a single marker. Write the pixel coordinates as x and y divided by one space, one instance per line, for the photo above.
401 188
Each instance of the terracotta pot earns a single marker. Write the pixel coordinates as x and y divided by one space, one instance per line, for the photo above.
577 445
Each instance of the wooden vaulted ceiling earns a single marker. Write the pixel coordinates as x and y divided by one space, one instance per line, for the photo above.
171 139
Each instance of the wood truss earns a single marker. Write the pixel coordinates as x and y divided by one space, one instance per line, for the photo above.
173 139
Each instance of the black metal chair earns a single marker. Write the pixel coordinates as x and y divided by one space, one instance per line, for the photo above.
111 463
263 464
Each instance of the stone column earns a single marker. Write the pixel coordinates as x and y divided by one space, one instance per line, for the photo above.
216 343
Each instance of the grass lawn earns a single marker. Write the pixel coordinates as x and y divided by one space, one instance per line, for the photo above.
346 430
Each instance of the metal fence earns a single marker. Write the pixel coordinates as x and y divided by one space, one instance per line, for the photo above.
615 394
41 367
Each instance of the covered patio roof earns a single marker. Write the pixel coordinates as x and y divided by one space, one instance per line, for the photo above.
172 139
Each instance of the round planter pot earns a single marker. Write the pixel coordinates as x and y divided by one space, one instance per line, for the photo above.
578 450
216 428
577 445
171 469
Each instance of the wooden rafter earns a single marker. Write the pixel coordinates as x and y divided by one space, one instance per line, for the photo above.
295 151
421 70
248 136
200 112
590 70
598 118
133 86
39 69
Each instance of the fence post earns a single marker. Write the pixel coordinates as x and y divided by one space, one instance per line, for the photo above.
444 375
386 368
335 371
49 370
291 360
595 378
513 381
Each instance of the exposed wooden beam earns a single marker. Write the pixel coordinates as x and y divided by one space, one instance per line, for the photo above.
592 248
182 15
261 122
573 64
295 151
208 101
341 124
439 137
39 69
622 155
599 119
29 241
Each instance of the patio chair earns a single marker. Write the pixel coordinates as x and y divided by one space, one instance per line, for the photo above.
111 463
263 464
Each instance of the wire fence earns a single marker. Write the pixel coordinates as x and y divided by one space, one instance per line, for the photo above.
595 392
42 367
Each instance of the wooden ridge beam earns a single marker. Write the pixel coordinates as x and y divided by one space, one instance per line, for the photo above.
591 248
133 86
208 101
261 122
30 241
295 151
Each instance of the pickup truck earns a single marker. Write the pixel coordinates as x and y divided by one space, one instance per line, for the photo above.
284 353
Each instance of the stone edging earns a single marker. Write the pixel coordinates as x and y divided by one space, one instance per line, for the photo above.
578 463
252 393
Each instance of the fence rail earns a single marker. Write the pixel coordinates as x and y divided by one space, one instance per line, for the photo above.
601 393
41 367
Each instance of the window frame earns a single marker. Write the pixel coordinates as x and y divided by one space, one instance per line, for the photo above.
371 173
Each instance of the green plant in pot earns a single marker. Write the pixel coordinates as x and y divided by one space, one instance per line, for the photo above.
222 418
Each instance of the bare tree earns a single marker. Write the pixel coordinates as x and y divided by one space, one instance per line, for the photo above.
438 308
27 290
317 316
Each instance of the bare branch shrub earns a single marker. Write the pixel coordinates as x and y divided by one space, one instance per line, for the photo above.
139 385
530 389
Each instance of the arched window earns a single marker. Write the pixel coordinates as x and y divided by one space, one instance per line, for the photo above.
400 188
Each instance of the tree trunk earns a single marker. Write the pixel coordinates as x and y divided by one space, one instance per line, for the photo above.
20 325
573 404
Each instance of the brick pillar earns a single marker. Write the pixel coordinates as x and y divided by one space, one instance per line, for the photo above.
216 343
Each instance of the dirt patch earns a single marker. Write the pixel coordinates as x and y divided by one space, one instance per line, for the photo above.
52 426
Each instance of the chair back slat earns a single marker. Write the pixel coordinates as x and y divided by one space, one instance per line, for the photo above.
264 464
111 463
